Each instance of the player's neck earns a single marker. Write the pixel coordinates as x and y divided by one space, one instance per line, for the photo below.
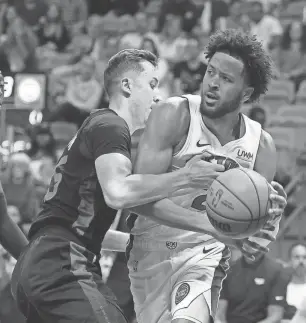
123 111
224 128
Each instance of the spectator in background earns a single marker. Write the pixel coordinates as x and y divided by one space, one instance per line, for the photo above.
19 188
31 11
212 11
5 66
253 292
236 19
20 44
189 73
172 40
83 94
52 31
292 55
257 113
192 11
42 142
164 75
74 13
131 36
296 289
267 28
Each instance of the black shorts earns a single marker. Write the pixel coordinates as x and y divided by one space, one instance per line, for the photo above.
57 280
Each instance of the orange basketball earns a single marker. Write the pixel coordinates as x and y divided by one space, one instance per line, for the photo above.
238 202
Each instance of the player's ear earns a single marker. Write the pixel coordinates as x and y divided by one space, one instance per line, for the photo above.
247 94
126 85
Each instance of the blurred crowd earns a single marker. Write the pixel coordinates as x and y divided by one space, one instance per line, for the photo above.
71 41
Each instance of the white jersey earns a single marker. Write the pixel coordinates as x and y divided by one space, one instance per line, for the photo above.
199 138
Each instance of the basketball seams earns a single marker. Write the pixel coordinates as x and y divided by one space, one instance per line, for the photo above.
227 218
256 190
267 204
242 202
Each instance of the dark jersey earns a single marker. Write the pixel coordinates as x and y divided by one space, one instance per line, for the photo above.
75 199
250 288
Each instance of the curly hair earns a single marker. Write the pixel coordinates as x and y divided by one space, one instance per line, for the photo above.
257 62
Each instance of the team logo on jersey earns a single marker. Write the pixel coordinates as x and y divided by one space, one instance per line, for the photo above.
217 198
171 245
181 293
242 154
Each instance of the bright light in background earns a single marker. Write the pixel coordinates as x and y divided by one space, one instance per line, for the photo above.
29 90
35 117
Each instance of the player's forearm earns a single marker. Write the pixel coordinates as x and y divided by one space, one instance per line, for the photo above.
168 213
115 241
273 318
11 237
141 189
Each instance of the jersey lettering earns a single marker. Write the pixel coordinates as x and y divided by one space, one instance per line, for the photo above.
56 179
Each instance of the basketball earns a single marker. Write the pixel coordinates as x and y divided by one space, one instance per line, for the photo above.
237 202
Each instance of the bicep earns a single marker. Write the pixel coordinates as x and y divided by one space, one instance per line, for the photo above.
266 159
156 144
112 169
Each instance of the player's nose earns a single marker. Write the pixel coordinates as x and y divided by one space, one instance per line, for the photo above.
215 83
157 98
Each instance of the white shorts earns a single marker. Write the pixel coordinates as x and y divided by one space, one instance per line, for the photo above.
166 276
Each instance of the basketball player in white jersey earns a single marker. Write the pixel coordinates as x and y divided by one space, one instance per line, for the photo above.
176 275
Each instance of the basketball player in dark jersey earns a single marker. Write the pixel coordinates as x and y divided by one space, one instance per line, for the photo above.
58 278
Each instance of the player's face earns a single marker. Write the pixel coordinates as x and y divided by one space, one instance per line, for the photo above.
143 93
223 87
298 260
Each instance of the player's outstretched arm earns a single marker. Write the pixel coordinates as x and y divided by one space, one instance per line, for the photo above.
11 237
122 190
167 127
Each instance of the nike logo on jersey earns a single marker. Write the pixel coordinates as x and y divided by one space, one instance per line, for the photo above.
201 145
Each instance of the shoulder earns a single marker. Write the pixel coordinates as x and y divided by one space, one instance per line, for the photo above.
265 163
169 121
275 266
266 143
272 21
105 118
173 112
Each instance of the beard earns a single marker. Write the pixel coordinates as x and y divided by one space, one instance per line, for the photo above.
219 111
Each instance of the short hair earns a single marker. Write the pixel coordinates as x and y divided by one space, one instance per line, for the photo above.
257 62
125 60
297 244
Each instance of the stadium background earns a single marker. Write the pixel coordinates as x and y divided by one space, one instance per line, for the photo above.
53 54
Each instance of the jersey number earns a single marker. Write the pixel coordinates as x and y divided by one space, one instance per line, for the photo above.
55 180
199 203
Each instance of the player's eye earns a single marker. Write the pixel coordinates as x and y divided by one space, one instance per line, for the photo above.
153 86
210 72
226 79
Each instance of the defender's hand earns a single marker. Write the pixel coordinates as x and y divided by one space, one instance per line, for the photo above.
202 173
